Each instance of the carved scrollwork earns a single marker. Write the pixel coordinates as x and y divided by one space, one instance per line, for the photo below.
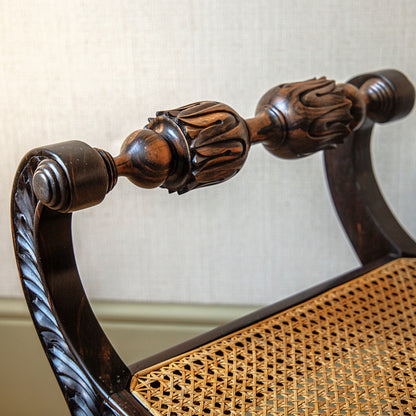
213 141
84 397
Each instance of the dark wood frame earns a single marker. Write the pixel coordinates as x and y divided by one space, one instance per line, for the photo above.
53 181
361 207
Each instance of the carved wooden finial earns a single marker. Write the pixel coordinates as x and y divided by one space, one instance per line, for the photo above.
311 116
213 142
182 149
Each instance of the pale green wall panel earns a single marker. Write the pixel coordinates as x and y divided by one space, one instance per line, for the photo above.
27 384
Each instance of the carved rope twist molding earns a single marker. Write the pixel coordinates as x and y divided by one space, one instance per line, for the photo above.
83 398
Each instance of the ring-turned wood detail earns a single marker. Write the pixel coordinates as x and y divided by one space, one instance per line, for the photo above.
51 186
213 148
350 350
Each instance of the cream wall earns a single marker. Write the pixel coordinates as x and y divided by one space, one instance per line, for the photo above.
95 70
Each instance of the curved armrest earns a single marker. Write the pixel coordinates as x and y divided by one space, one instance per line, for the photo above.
85 364
372 228
190 147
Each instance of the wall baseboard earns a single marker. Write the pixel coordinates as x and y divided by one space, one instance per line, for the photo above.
27 384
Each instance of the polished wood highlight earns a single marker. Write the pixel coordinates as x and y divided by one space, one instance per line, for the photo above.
183 149
145 159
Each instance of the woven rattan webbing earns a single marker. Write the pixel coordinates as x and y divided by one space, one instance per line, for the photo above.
349 351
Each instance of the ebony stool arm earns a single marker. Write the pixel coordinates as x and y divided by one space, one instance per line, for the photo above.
208 142
86 365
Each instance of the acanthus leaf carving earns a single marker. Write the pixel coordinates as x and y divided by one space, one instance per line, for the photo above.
216 138
318 114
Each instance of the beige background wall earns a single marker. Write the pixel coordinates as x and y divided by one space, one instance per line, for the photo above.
95 70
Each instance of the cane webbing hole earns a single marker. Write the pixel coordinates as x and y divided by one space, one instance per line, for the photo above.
351 350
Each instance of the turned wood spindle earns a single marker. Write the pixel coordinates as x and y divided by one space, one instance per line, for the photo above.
207 142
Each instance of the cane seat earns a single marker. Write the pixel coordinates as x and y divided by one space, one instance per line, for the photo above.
350 350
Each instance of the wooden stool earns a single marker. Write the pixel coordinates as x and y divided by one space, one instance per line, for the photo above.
347 346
